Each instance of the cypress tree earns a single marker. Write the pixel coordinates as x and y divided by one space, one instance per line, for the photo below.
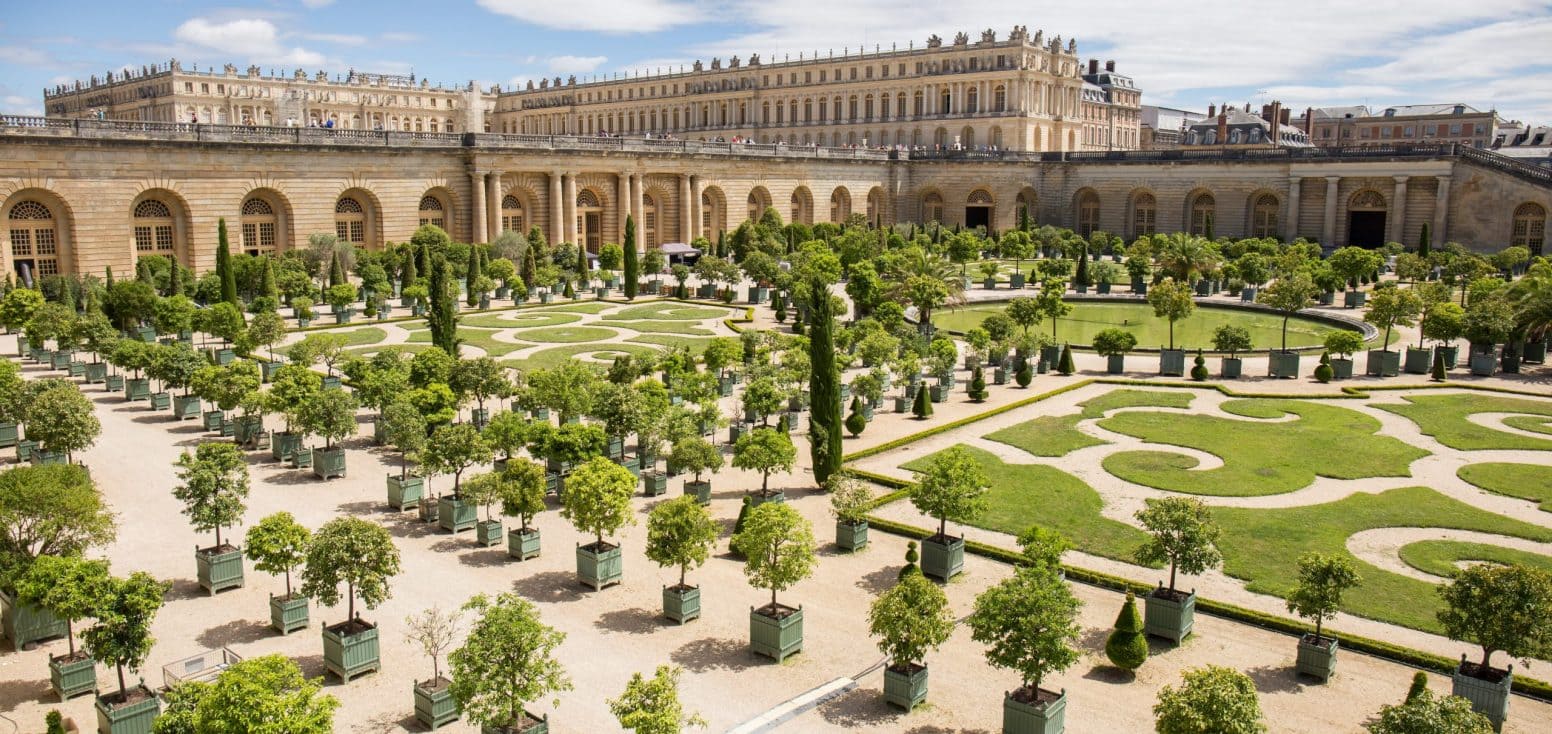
1127 646
443 319
174 279
224 266
336 270
825 396
143 272
1423 244
424 254
1065 365
632 267
109 278
721 244
1081 277
267 287
923 407
1023 224
1438 373
1207 226
470 274
408 275
530 267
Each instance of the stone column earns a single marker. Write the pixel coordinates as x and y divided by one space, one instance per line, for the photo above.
622 203
696 215
557 211
1441 212
1397 222
493 205
569 216
638 184
684 207
477 198
1291 224
1328 229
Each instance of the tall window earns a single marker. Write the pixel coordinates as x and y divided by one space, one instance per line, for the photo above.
350 221
1144 215
1263 216
511 214
1088 213
431 212
932 208
153 228
1201 213
999 99
1530 227
840 205
648 221
258 226
800 205
34 237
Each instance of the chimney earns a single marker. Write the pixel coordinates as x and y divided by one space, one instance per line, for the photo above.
1276 119
1110 65
1285 116
1223 127
1309 122
1093 66
1266 112
1212 110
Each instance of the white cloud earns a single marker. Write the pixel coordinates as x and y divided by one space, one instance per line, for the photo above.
576 64
252 39
14 104
25 56
344 39
638 16
1485 52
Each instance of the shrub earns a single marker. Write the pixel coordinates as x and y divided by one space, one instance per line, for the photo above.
1127 646
1199 368
1323 371
1212 700
1114 342
1065 366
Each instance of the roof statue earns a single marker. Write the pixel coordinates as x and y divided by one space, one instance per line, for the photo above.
934 41
961 38
733 63
988 36
697 65
754 59
716 63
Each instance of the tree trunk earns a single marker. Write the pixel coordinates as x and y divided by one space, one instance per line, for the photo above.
122 694
1172 576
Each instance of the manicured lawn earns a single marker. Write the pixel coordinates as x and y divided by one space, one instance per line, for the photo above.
1259 457
666 327
697 345
668 312
1525 481
1532 423
565 334
1087 319
551 358
1442 557
1058 435
1262 546
353 338
482 338
1022 495
594 307
1444 418
510 319
406 348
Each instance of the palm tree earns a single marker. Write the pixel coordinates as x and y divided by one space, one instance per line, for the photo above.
1184 255
918 262
1532 299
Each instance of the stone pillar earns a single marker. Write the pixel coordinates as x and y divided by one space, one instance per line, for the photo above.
697 217
638 184
622 204
477 198
1441 213
493 205
1291 224
1397 222
1328 228
684 207
569 201
557 211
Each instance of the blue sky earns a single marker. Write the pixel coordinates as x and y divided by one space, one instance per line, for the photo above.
1378 52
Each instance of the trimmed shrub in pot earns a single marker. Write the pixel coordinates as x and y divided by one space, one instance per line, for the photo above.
215 483
1343 342
778 547
506 662
1211 699
1183 536
332 415
850 501
278 544
1498 608
453 449
1423 712
1322 581
1114 344
434 631
68 588
597 502
1288 294
125 609
909 619
1388 308
1171 300
953 487
1444 323
696 455
523 497
483 491
680 533
653 706
1232 339
1029 624
360 555
765 450
1489 321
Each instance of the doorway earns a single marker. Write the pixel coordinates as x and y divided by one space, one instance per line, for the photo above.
978 216
1366 228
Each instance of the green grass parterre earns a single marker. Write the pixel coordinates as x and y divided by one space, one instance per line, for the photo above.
1444 557
1058 435
1524 481
1446 418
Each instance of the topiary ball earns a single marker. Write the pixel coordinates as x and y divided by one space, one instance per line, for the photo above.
1199 369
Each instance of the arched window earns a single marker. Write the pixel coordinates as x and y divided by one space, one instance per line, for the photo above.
944 103
649 221
34 238
932 207
258 226
758 201
800 199
511 214
1263 216
840 205
999 98
971 100
967 137
431 212
1202 214
154 229
350 221
586 198
1530 227
1144 215
1088 213
916 104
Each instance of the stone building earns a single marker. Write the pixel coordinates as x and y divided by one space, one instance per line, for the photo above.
1428 123
1232 127
83 195
169 93
1020 93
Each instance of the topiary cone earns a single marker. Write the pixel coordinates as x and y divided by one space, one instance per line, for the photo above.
922 408
1127 647
1323 370
1065 365
1199 368
978 386
1438 373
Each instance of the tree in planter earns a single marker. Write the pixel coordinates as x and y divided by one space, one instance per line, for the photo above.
122 635
522 492
454 448
1289 294
61 420
277 545
485 490
215 483
222 320
778 547
1322 581
49 510
597 499
762 398
69 587
480 378
330 414
1343 342
354 552
1444 323
1115 342
765 451
953 487
1392 307
977 389
1184 536
568 389
294 386
176 364
680 533
434 631
1127 646
1171 300
652 706
695 455
1232 339
327 349
1488 321
910 619
269 688
1353 263
1029 624
506 661
18 307
1499 608
405 430
1423 712
1211 700
265 329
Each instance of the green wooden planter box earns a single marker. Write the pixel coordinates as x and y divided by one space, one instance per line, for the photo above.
283 445
214 419
71 678
267 370
185 407
1167 618
219 571
96 371
480 417
147 334
1231 368
682 603
1488 698
435 706
77 368
535 725
225 357
775 496
1316 659
288 614
48 458
9 435
851 536
348 656
137 389
700 490
1418 361
1383 363
454 515
942 560
1044 718
407 492
600 568
328 463
228 429
776 638
488 533
523 545
1483 364
1172 362
654 484
905 689
25 623
332 382
302 458
246 429
1283 364
161 401
113 383
60 360
1341 369
1354 299
135 718
25 449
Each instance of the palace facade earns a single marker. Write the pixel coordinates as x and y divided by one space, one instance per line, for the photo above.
78 196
